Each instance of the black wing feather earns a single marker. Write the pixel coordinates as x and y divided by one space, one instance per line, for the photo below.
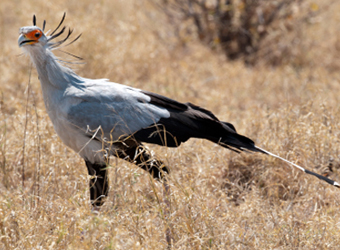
190 121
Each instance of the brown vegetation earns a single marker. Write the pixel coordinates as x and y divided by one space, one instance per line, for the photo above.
244 29
219 199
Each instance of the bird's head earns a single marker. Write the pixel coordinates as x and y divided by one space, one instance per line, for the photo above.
32 36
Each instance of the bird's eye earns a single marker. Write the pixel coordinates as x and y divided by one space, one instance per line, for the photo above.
37 34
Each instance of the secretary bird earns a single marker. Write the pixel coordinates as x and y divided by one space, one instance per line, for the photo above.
98 118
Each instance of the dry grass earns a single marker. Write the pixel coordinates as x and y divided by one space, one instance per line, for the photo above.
219 200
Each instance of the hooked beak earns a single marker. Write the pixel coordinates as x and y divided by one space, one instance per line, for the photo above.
22 41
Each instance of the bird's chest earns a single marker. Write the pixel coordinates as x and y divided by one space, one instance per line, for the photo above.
62 127
57 106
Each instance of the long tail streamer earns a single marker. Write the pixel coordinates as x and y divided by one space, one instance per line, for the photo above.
321 177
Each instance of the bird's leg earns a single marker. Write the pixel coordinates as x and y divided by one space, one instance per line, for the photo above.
99 183
141 157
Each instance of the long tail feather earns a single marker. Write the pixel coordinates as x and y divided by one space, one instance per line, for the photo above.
329 181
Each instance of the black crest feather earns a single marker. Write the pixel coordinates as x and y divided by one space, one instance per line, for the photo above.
61 22
44 24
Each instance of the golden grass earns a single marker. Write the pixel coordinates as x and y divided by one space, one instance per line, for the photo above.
219 199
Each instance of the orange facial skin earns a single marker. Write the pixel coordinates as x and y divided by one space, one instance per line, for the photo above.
33 36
